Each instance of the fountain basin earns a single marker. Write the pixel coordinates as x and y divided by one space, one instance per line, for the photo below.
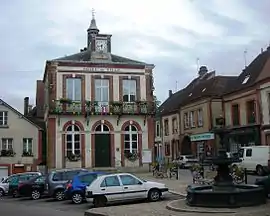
235 196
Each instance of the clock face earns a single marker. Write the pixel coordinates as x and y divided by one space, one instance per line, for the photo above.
101 45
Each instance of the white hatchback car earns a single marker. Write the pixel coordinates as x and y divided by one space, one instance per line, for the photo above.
123 187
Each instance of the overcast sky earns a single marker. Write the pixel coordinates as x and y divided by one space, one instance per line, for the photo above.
171 34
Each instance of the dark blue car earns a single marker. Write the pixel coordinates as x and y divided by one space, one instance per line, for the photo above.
75 189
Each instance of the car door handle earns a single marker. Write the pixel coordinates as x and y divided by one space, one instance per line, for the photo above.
125 187
103 189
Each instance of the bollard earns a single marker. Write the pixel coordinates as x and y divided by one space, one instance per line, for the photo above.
177 173
245 175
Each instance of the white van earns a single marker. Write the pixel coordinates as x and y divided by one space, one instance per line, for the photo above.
255 159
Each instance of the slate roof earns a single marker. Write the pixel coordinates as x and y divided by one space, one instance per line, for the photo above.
29 119
85 55
254 70
209 86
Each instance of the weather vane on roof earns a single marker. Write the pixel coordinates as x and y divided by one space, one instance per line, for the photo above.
93 13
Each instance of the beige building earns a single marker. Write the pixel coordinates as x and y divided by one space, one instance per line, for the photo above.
20 141
99 108
199 114
246 105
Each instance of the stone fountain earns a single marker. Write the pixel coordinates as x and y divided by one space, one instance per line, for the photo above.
224 193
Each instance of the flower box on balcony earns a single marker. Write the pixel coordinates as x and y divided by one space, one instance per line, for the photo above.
65 101
27 154
7 153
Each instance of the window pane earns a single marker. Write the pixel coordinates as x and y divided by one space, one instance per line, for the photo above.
77 137
69 128
69 138
134 145
69 145
127 128
125 87
125 98
76 128
127 137
77 152
69 88
133 128
77 145
134 137
78 89
30 147
128 180
24 147
112 181
127 145
98 94
97 82
105 94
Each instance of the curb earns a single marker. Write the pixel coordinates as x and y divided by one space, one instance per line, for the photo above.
178 193
172 208
92 213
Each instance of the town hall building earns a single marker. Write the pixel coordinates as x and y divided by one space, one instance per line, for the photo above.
99 107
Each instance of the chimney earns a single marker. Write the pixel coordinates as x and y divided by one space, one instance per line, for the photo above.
261 50
40 99
170 93
202 71
26 105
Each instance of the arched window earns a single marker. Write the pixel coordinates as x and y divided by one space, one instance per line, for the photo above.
102 128
131 139
73 140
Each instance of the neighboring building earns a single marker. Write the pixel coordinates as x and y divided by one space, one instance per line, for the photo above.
246 105
199 112
99 107
20 139
175 140
158 151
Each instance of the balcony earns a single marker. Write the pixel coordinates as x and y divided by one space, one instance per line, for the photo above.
102 108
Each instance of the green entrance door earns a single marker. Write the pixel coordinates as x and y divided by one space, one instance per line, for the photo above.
102 150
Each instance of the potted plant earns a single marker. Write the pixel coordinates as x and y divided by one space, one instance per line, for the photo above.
27 154
65 101
116 107
7 153
131 156
74 157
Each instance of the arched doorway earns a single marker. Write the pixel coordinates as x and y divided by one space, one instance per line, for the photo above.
102 146
186 146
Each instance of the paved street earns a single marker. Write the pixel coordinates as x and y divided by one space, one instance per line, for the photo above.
48 207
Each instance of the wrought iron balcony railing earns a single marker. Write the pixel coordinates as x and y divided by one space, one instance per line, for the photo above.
102 108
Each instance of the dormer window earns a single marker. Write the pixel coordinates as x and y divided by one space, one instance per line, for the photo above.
246 79
204 90
190 94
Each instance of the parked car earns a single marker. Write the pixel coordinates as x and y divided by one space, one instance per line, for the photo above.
33 188
56 181
186 161
12 182
123 187
265 183
3 189
75 189
255 159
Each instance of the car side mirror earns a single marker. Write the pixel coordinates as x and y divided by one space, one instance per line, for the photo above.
140 183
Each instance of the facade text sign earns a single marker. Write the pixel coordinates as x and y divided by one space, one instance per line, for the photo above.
202 137
101 69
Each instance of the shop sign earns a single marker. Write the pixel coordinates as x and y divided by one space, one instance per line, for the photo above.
202 137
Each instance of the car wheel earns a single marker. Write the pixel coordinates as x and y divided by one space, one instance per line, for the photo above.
15 194
35 195
59 195
154 195
77 198
2 193
99 201
259 170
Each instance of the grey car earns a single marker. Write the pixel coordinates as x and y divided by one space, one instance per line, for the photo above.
55 183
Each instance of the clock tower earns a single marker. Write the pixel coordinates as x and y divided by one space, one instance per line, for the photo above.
98 44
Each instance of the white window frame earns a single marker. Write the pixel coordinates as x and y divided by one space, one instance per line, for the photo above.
186 120
200 117
129 84
72 133
104 86
29 142
8 144
192 119
73 89
4 118
131 141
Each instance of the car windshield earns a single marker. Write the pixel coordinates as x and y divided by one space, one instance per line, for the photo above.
241 153
190 157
